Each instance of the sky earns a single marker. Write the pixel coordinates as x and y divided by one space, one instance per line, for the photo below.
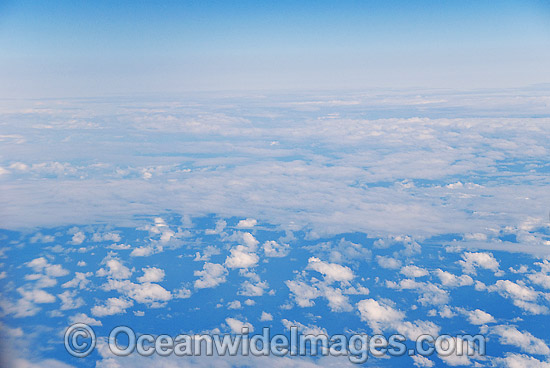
350 168
79 49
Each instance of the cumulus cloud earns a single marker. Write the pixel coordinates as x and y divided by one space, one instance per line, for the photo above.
83 318
152 274
212 275
413 271
114 269
510 335
331 271
523 296
450 280
388 262
274 249
241 258
472 260
111 307
247 224
237 326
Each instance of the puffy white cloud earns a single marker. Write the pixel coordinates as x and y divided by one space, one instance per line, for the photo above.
388 262
235 304
212 275
42 265
80 280
477 316
69 300
450 280
414 271
78 238
421 361
472 260
524 297
83 318
274 249
378 315
331 271
114 269
304 329
249 288
111 307
303 293
147 293
520 361
265 317
428 293
241 258
237 326
510 335
247 224
152 274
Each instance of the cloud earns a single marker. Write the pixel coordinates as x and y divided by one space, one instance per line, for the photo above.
212 275
151 274
450 280
331 271
378 315
414 271
69 300
522 296
83 318
388 262
237 326
241 258
471 260
274 249
247 224
111 307
510 335
114 269
266 317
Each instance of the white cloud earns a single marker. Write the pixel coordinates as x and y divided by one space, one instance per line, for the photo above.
114 269
69 300
414 271
78 238
510 335
522 296
212 275
304 329
152 274
247 224
421 361
450 280
274 249
241 258
266 317
111 307
249 288
388 262
303 293
471 260
378 315
235 304
520 361
331 271
237 326
477 316
80 281
83 318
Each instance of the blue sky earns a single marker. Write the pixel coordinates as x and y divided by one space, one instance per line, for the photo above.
339 167
66 48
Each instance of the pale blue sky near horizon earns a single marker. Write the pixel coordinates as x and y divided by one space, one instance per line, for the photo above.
73 49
